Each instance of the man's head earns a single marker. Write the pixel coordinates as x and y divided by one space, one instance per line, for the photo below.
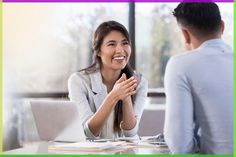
201 20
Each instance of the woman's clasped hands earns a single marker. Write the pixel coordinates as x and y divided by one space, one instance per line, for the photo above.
124 87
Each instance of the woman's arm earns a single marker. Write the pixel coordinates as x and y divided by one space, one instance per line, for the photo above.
129 120
96 122
122 89
132 111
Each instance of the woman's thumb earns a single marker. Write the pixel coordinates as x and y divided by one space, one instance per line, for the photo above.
122 78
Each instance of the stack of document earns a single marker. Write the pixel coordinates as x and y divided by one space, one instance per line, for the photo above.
86 146
135 139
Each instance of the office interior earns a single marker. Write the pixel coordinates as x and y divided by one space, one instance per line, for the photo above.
44 43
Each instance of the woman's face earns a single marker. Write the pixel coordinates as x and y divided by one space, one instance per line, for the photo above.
115 51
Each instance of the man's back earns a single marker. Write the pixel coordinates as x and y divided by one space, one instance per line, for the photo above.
205 75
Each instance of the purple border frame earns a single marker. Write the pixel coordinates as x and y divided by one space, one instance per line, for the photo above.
88 1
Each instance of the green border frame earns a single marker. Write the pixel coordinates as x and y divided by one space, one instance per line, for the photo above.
1 93
161 155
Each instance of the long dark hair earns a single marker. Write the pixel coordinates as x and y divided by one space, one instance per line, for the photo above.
101 32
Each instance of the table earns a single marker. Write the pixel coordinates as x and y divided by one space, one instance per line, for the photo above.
42 148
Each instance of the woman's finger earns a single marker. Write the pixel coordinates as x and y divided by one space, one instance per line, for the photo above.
130 93
122 78
130 83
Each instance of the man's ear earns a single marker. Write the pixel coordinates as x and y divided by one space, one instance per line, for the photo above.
187 37
186 34
222 27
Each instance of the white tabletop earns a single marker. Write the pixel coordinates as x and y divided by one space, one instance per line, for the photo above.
42 147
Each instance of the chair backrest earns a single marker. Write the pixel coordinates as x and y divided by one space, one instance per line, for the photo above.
57 120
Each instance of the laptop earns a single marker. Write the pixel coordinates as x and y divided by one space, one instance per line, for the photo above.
57 120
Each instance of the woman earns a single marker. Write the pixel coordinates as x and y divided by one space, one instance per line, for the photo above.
109 93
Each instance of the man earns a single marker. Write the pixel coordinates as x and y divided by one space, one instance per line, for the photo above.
199 85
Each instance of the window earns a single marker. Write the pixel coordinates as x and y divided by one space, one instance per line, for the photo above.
158 37
44 43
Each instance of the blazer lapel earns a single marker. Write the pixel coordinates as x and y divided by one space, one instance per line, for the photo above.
98 88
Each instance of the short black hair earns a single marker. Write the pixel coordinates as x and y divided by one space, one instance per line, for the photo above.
199 18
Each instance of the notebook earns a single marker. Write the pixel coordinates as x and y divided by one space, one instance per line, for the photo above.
57 120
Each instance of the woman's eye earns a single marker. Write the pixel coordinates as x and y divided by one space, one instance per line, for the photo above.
111 45
125 43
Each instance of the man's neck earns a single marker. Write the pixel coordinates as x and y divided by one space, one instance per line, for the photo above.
196 42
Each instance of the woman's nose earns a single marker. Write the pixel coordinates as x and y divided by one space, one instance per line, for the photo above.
120 49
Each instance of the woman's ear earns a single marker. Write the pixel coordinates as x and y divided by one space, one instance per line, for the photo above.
99 54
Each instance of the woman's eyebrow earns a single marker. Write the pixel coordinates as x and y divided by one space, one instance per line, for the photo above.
114 41
110 41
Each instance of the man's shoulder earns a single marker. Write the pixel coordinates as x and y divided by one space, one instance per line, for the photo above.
185 55
183 61
182 57
207 49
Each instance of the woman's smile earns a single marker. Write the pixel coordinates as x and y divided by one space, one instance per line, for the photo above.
119 59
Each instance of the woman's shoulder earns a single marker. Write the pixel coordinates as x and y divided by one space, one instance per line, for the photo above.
142 80
84 76
142 87
79 76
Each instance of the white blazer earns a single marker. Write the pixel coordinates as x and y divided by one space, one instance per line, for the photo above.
88 91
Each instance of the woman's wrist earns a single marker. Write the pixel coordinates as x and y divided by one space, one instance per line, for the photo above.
127 100
113 98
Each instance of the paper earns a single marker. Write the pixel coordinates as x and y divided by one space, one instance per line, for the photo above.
86 146
134 139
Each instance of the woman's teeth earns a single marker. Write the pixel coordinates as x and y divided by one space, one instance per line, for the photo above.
118 58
